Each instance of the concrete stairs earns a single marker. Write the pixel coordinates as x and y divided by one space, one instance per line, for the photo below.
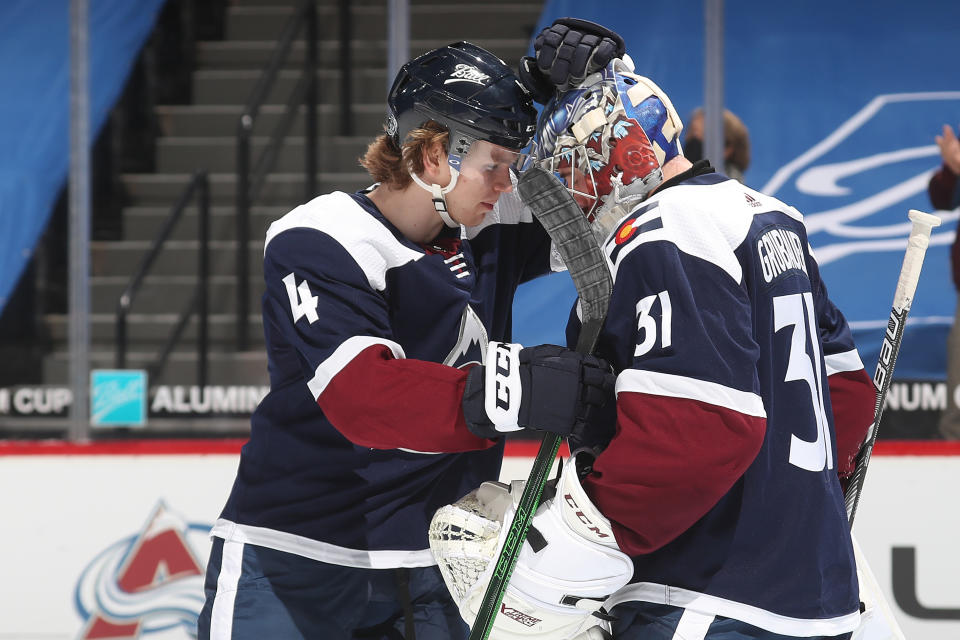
202 135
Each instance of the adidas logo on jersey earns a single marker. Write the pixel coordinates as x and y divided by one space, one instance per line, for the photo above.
780 250
753 202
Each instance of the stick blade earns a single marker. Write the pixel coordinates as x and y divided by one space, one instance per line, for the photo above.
567 226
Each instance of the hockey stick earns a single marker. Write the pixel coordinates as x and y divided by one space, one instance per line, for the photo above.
923 224
567 226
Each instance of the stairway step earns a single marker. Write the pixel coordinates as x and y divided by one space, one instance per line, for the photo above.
178 257
219 154
165 294
153 330
222 120
144 223
255 54
320 3
233 86
469 21
280 189
228 368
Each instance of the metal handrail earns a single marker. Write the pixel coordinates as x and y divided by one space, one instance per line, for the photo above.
199 184
249 188
346 65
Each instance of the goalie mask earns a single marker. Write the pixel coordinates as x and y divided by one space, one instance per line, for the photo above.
608 141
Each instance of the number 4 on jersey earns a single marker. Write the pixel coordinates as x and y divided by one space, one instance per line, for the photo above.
302 301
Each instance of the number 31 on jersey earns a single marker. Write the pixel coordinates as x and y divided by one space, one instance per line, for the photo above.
647 329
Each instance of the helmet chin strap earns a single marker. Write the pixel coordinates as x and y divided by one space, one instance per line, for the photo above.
438 193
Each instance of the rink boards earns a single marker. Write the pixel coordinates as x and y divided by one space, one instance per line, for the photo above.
110 540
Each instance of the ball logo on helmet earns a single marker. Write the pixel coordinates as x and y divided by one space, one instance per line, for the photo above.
467 73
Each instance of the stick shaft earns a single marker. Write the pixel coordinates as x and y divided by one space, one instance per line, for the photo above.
917 243
563 220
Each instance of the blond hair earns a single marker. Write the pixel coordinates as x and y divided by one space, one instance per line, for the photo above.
391 166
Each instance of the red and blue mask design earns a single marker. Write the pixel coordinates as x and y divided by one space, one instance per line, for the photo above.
609 139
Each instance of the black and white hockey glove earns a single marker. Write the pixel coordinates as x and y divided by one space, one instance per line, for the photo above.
565 53
545 388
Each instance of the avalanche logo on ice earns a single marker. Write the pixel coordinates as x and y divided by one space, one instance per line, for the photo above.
146 583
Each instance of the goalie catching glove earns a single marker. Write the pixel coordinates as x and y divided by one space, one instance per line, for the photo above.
546 388
567 567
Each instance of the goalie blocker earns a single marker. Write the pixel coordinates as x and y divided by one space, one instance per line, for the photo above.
569 563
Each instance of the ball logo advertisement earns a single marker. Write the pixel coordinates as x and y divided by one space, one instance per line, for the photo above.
118 398
854 188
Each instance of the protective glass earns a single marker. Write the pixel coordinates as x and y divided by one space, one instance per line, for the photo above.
479 159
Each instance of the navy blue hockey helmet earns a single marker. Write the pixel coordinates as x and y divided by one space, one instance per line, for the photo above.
468 90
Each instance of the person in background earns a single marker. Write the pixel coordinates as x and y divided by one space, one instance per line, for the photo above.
736 142
381 309
944 191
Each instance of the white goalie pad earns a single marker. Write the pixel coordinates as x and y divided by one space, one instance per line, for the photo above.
877 621
555 590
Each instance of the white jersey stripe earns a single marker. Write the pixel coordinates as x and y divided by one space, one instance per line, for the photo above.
846 361
365 238
221 615
712 605
693 625
340 358
321 551
665 384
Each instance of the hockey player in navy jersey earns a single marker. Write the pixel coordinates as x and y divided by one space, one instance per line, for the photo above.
378 306
716 509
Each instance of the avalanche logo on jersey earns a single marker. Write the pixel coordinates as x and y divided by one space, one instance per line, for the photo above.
471 346
150 582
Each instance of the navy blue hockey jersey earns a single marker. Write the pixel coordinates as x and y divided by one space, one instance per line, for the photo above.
737 380
343 464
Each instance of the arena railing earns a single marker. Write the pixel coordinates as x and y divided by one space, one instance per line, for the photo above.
199 185
250 179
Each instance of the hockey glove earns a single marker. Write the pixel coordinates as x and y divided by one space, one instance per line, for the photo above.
567 52
546 388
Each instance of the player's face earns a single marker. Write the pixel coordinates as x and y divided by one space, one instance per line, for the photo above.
484 175
580 185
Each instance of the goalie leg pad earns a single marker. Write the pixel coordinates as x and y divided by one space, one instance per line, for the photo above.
553 591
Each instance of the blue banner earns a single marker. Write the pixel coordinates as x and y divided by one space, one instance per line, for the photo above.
35 107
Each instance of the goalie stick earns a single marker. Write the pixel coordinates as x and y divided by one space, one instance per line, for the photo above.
567 226
923 224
